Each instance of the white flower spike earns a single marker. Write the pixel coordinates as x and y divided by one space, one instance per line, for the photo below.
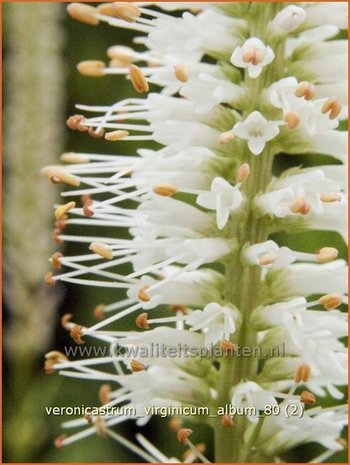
247 325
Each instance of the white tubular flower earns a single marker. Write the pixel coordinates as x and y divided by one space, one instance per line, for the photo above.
317 425
207 91
257 130
250 394
183 230
223 198
253 55
309 193
305 279
289 19
216 321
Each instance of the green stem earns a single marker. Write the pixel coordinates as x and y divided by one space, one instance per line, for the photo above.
243 282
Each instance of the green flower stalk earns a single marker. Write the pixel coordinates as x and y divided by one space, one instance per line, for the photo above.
236 85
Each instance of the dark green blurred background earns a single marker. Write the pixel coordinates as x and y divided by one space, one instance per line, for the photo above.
28 431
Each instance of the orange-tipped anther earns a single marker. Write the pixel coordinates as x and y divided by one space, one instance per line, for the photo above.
253 56
327 254
303 373
227 421
305 89
59 441
226 137
100 426
183 434
92 68
142 295
330 301
83 13
63 209
307 397
127 11
141 321
55 260
165 190
292 119
332 105
137 366
76 334
300 205
175 424
228 347
104 393
49 279
99 312
103 250
65 320
138 79
243 173
116 135
181 73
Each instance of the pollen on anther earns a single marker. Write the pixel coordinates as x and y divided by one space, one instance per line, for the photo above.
83 13
303 373
181 73
49 279
332 105
141 321
76 334
103 250
74 158
227 421
292 119
120 55
165 190
59 441
137 366
175 424
63 176
99 312
63 209
183 434
65 320
116 135
55 260
330 301
305 89
253 56
51 358
226 137
330 198
75 122
93 68
127 11
142 294
300 205
327 254
307 397
266 260
228 347
242 173
100 426
138 79
104 393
